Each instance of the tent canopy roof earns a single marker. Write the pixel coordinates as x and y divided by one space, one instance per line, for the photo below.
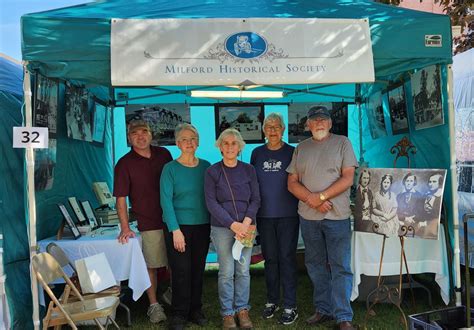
73 43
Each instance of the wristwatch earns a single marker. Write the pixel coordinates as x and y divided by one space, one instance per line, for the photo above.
322 197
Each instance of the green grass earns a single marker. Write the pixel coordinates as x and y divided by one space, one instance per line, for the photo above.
387 316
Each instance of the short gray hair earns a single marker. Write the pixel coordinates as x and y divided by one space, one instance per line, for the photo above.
184 127
275 116
231 131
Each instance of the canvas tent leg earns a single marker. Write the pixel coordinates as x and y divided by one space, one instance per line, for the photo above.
454 186
31 201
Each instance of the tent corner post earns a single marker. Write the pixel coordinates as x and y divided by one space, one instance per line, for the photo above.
454 199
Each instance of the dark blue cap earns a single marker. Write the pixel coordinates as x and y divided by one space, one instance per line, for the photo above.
318 111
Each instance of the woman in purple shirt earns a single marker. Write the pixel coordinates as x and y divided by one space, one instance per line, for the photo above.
233 199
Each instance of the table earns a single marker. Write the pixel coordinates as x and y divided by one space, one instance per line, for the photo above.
126 260
423 256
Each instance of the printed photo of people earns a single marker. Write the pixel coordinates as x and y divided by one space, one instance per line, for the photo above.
426 93
297 130
376 116
46 104
162 118
247 119
45 162
398 202
398 110
79 107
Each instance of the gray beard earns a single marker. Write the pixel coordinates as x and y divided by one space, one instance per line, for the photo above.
319 135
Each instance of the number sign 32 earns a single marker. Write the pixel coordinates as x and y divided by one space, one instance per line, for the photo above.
30 137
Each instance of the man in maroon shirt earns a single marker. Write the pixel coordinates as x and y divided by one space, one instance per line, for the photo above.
137 175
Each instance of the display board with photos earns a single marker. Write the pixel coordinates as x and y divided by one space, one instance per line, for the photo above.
46 104
79 110
297 116
69 221
162 118
399 198
45 163
98 128
398 109
375 116
246 118
426 96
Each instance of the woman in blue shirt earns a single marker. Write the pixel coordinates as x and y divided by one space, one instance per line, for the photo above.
188 229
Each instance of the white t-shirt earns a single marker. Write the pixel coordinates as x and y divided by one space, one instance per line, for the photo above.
319 164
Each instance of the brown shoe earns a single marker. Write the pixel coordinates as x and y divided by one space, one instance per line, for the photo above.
346 325
318 318
244 319
228 322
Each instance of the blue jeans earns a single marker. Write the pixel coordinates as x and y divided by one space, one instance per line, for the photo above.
233 281
279 240
328 261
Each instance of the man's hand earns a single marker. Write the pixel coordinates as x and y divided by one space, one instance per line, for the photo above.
314 201
240 229
326 206
125 234
179 241
247 221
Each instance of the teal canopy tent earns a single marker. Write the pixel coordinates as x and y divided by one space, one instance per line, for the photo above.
74 45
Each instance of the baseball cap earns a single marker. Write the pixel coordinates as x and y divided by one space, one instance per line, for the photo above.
318 111
135 125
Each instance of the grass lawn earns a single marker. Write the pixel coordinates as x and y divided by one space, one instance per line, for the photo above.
387 315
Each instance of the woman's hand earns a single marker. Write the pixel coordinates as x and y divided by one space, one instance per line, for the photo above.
240 229
247 221
179 241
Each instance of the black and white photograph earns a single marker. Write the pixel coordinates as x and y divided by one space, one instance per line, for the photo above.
376 117
79 108
86 206
69 222
297 130
98 129
399 202
45 162
247 119
426 95
398 109
162 118
77 210
46 104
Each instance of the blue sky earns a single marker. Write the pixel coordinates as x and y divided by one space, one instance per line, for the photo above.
10 13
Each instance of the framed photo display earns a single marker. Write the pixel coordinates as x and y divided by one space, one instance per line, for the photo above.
398 109
98 129
46 104
69 222
162 118
77 210
246 118
376 116
78 113
426 96
86 206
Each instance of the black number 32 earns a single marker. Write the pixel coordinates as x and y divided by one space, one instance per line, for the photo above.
30 137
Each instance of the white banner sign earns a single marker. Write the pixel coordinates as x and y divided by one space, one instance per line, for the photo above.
147 52
30 137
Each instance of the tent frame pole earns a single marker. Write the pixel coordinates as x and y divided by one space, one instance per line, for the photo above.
31 202
454 186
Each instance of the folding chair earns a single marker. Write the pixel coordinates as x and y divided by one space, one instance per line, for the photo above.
58 253
47 270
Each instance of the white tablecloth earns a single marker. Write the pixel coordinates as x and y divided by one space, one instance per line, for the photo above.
423 256
126 260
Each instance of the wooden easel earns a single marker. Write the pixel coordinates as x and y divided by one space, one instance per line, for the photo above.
386 292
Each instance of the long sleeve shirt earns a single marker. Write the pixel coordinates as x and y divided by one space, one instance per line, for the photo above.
245 189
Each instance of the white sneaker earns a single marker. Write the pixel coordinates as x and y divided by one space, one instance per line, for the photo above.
155 313
167 296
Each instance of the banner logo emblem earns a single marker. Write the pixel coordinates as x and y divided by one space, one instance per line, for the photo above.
246 45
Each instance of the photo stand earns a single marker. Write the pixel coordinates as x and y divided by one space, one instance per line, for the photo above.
387 292
67 221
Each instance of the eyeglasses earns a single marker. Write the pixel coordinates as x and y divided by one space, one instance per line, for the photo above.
273 128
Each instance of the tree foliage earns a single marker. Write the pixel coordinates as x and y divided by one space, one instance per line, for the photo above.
461 13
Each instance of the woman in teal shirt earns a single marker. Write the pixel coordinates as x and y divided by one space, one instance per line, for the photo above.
188 229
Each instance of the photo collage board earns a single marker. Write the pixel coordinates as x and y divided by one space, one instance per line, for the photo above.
426 104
